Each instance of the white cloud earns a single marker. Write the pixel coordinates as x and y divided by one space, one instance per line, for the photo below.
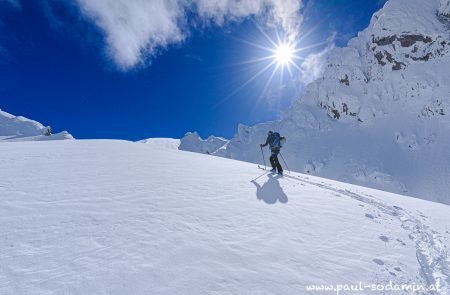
136 29
312 67
284 13
220 10
314 64
133 28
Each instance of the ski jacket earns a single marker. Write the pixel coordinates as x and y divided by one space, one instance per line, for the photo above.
273 140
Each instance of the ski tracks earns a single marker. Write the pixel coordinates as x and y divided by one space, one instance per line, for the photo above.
431 252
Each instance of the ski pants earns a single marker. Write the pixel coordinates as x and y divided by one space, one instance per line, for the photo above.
274 160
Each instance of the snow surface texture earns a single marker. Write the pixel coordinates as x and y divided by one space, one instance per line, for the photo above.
19 128
380 116
116 217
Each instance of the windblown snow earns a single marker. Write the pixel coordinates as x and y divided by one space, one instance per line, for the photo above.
170 143
117 217
380 115
18 128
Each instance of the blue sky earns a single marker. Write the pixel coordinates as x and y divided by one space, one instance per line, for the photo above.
132 72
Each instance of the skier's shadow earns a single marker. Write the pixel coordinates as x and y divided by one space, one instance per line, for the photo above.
271 191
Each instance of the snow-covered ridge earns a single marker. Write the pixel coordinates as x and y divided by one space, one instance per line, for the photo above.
18 128
192 142
408 16
380 115
166 143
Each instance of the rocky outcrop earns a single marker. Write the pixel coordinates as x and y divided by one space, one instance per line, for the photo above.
404 40
444 8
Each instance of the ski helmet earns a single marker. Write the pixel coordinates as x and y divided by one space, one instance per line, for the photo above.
270 132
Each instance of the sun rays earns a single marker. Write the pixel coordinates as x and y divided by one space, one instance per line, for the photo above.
275 57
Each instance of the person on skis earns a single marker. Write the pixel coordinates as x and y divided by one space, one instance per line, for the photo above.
274 142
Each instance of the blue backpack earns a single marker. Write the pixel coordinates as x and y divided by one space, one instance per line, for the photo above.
276 142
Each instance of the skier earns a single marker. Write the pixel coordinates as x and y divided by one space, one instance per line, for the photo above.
274 141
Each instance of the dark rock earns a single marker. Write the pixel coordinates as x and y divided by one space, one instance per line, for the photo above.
397 66
434 109
336 114
405 40
409 40
345 80
345 108
422 58
389 57
379 56
384 40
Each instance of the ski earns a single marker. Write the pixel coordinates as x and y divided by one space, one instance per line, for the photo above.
269 171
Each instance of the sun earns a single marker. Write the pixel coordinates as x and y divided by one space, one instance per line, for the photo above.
277 54
284 54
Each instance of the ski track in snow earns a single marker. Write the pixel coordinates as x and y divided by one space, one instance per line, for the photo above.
432 253
114 217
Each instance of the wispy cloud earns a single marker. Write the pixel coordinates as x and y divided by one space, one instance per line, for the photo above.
275 12
16 6
136 30
193 57
314 64
14 3
3 52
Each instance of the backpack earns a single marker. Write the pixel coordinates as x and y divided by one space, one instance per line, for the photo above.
277 141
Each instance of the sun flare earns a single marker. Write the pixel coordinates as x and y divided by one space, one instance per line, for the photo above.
278 54
284 54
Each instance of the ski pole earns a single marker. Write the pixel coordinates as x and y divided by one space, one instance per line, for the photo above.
285 162
264 160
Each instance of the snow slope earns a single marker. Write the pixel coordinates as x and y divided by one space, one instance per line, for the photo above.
18 128
380 115
116 217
